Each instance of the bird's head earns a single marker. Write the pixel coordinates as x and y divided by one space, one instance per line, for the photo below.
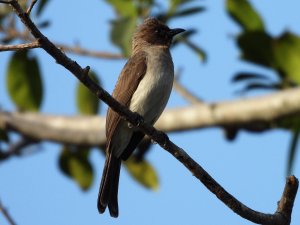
154 32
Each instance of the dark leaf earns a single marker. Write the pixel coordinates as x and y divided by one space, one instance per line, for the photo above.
245 76
245 15
24 81
4 136
259 86
74 163
174 4
183 36
291 123
230 133
43 24
199 52
121 33
187 12
41 6
256 47
142 172
186 34
87 102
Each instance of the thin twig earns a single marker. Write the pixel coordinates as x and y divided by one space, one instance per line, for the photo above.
158 136
17 148
17 47
85 52
30 7
186 93
12 33
6 214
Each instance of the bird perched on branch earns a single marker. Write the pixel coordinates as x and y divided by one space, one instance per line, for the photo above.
144 86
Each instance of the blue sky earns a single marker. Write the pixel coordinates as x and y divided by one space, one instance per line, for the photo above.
252 168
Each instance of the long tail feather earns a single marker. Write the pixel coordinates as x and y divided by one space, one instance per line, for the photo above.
108 192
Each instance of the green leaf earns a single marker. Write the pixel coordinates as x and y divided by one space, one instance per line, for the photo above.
87 102
287 57
245 15
292 151
256 47
142 172
24 81
124 8
121 33
74 163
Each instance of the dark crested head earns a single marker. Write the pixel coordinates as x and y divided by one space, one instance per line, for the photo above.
154 32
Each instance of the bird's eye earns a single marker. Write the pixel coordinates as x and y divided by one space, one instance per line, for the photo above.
156 31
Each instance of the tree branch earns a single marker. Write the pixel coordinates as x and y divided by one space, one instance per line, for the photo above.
13 33
6 214
28 11
85 52
184 92
17 148
154 134
254 114
17 47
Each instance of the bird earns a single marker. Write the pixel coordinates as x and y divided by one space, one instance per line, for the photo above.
144 86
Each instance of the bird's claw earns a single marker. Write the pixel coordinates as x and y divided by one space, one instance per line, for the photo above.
138 120
162 138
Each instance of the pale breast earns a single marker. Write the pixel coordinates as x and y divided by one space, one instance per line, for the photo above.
154 90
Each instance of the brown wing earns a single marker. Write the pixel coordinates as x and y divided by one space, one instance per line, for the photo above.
130 77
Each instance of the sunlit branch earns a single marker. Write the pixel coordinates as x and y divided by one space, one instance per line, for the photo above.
281 218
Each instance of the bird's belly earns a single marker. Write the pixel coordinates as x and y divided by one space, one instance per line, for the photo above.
153 92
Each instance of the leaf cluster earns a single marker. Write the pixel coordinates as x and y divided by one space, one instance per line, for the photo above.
279 54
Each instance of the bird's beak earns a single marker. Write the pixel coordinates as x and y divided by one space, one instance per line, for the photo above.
176 31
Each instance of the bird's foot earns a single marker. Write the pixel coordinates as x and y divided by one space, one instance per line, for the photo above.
138 120
161 138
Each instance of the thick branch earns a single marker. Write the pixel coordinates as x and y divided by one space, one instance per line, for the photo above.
252 113
285 205
78 130
157 136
